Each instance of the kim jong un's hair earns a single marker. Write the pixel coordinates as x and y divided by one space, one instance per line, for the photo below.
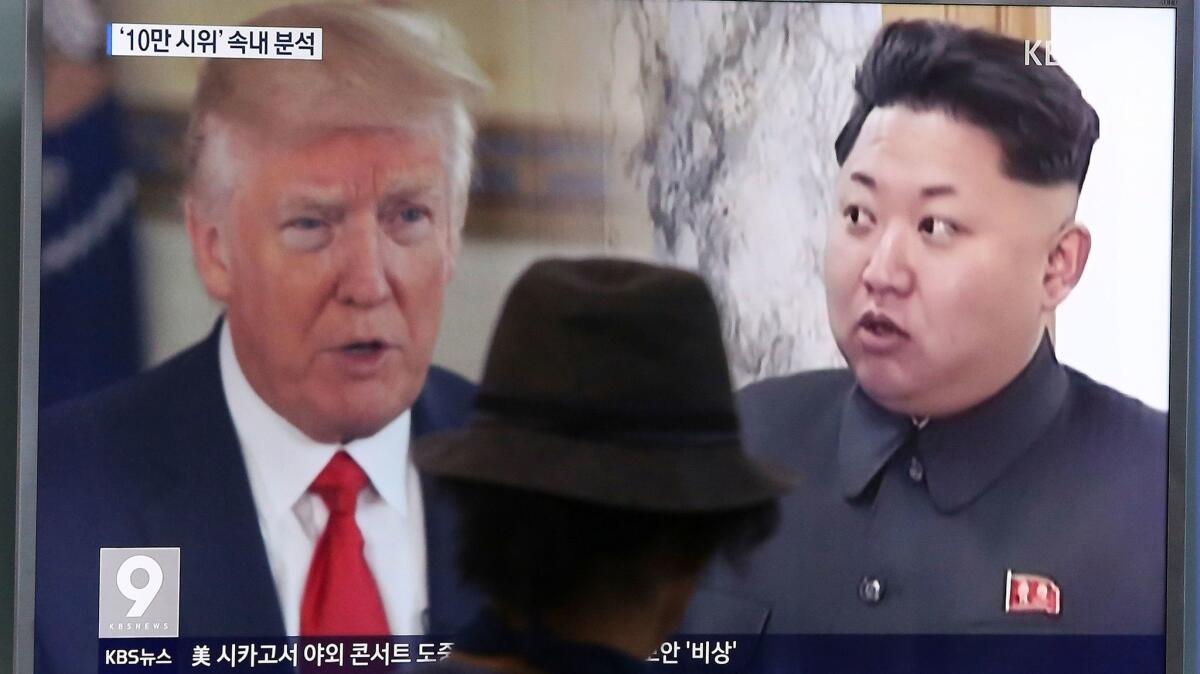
383 67
1037 114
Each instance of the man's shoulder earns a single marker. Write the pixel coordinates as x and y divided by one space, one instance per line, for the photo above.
186 383
1120 416
166 376
98 455
1108 437
445 401
811 390
444 383
784 418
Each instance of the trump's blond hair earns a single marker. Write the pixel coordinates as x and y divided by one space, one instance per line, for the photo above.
383 67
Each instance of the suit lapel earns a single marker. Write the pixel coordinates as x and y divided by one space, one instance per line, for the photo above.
443 404
451 603
198 499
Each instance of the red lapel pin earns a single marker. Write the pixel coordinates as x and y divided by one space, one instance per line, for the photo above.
1029 593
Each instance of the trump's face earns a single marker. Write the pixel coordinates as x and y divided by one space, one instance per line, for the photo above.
332 266
941 271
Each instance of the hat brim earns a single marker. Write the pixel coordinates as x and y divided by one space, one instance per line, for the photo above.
708 478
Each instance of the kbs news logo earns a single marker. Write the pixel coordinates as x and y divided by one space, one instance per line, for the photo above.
139 592
1038 53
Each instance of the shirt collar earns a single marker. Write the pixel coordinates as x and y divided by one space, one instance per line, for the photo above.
289 460
962 454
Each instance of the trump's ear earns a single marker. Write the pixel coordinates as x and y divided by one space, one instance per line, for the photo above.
209 250
1065 263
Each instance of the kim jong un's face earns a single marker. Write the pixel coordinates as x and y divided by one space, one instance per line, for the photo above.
333 273
942 271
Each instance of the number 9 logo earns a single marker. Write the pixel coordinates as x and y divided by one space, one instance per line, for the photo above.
142 596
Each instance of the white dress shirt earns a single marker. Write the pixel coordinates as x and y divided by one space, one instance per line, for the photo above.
282 462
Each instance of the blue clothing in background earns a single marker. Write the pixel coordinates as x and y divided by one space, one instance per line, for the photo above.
90 322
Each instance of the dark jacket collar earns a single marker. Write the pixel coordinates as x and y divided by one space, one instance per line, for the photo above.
962 454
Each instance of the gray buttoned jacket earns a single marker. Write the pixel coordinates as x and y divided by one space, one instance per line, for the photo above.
899 529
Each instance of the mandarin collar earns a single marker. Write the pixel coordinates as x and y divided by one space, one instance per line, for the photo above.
962 454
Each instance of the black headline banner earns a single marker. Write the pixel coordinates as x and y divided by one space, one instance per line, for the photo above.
752 654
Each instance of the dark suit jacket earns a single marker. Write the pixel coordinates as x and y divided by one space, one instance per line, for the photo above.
1057 476
155 462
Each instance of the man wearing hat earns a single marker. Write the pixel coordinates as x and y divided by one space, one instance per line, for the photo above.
601 471
956 477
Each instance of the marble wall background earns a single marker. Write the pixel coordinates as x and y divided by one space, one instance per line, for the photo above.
723 119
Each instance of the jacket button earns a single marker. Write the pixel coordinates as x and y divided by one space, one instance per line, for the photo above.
916 471
870 590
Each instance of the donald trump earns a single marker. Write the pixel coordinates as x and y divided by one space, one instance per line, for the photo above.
323 204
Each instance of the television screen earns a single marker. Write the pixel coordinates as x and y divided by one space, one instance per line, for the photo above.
948 246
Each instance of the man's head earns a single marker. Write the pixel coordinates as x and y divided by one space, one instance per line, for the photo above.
603 466
571 565
324 204
954 234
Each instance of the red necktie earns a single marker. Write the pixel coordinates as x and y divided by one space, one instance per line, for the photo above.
340 595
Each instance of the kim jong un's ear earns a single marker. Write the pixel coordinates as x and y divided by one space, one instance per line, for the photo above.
209 247
1065 262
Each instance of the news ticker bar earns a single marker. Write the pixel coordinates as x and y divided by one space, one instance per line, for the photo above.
750 653
231 42
258 656
339 655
